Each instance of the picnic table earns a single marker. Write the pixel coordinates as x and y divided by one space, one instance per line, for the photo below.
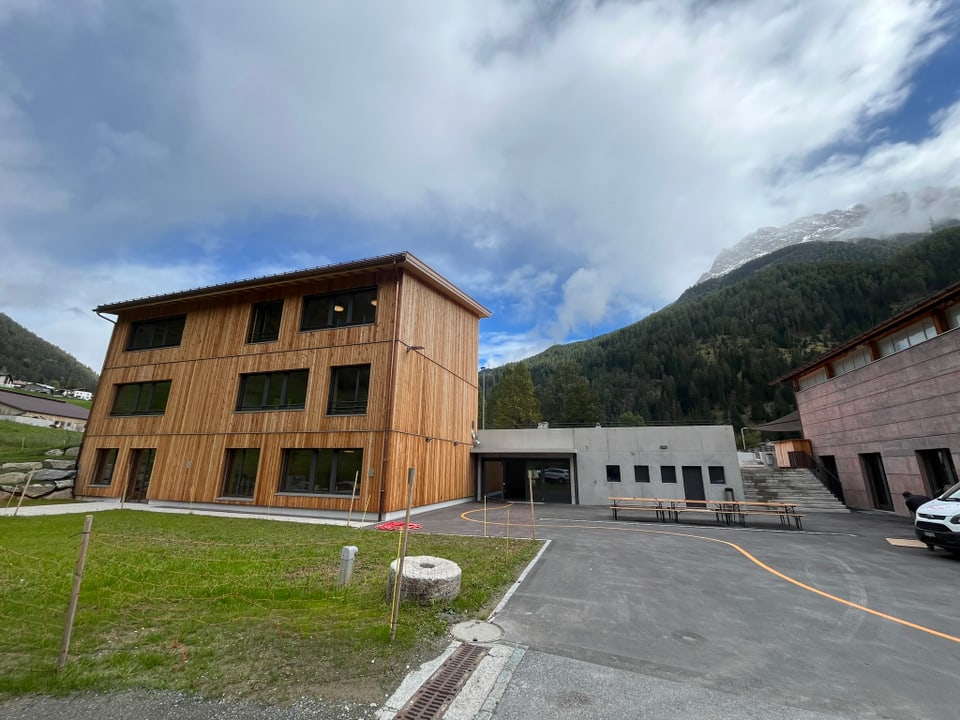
725 511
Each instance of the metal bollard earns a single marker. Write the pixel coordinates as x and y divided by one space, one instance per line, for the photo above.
347 554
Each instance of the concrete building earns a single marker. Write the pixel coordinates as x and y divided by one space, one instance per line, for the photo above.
587 466
882 411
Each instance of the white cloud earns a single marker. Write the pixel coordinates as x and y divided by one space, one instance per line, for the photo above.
565 163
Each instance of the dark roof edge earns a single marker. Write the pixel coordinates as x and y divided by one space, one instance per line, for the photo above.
915 309
402 259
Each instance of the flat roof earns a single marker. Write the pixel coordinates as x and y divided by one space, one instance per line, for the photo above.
405 260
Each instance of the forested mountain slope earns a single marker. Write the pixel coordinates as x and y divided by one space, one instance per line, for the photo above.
29 357
711 355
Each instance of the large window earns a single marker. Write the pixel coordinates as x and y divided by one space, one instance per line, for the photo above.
353 307
241 472
157 333
908 337
851 361
106 462
273 391
148 398
322 471
265 321
349 389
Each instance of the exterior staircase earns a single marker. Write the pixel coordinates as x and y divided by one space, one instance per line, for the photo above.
794 485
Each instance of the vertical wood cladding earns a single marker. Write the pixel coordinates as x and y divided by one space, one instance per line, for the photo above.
434 395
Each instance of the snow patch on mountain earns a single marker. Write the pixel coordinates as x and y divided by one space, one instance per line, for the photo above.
883 217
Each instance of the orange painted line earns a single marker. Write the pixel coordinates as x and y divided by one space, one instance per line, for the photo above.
760 564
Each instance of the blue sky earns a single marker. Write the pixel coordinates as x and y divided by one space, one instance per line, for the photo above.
572 165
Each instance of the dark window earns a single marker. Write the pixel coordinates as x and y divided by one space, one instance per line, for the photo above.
717 476
349 388
668 474
353 307
613 473
321 471
106 461
241 475
149 398
641 473
273 391
265 321
158 333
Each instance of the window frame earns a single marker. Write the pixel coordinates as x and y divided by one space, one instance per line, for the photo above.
148 400
262 313
234 472
105 467
613 474
270 378
159 330
354 304
361 394
318 458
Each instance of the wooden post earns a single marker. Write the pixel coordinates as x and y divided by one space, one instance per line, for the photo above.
353 495
23 492
398 579
75 593
484 515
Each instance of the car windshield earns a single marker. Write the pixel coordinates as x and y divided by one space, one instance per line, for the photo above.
951 494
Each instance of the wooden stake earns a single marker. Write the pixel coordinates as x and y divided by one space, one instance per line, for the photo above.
533 520
411 473
23 492
353 495
74 594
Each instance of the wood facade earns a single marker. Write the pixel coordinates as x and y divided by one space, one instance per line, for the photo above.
422 353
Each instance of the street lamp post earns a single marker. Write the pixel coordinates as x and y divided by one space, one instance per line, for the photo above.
743 440
483 405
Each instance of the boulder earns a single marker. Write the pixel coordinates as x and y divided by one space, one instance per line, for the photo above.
13 478
60 464
66 494
20 466
426 579
40 490
64 484
72 452
49 475
56 452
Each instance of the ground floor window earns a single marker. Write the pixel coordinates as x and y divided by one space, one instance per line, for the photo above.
241 472
641 473
106 461
613 473
322 470
717 476
668 474
937 469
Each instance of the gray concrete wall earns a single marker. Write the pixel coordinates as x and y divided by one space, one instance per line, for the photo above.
592 449
895 406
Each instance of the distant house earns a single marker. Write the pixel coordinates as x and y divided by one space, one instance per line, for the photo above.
39 388
882 410
6 379
17 406
78 394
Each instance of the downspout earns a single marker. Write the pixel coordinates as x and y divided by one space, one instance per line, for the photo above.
388 431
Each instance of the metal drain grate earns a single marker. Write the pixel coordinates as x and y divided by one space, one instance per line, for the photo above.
436 694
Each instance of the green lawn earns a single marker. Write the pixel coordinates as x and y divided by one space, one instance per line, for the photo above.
226 606
20 443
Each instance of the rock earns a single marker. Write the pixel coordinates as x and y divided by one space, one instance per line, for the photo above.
66 494
49 475
56 452
72 452
40 490
20 466
426 579
64 484
60 464
13 478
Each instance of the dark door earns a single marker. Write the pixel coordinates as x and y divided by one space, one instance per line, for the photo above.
140 470
876 478
936 467
693 483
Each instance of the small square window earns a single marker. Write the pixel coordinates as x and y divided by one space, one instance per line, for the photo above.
668 474
106 461
349 390
717 475
265 321
613 473
641 473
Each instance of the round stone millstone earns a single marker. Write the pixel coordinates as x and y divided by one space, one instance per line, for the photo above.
426 579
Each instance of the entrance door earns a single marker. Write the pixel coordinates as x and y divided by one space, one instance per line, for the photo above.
876 478
140 471
693 483
551 480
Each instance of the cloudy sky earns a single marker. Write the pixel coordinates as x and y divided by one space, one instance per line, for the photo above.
572 165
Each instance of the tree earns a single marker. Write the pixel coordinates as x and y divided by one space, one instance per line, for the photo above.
568 399
513 401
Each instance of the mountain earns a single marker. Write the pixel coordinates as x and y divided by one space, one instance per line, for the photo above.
28 357
711 356
883 217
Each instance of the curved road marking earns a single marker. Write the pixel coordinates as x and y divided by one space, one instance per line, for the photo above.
758 563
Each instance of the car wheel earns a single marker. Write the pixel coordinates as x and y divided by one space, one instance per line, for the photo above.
930 547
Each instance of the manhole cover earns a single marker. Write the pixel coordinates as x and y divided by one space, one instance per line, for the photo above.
476 631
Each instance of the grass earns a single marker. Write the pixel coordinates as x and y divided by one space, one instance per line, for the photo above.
25 443
226 606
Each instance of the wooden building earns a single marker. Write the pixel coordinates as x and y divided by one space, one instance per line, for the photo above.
311 392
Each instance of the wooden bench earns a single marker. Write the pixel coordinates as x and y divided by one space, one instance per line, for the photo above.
785 516
655 505
725 511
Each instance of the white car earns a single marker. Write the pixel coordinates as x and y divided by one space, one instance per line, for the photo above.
938 522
